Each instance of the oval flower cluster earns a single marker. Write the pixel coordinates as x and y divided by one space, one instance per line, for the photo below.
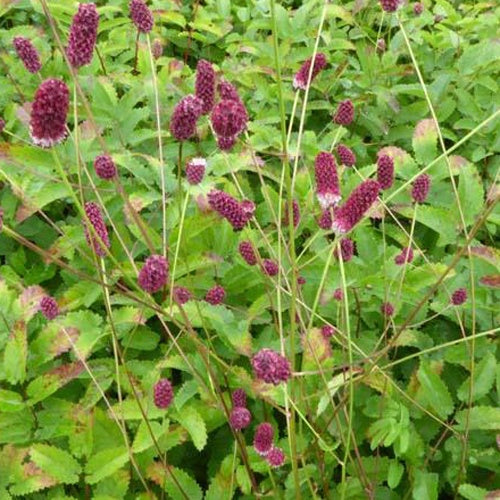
271 367
263 444
236 213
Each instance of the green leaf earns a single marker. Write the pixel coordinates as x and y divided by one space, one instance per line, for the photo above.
10 401
56 462
480 418
484 377
425 141
394 474
193 422
470 193
189 486
471 492
16 428
434 390
105 463
15 354
425 486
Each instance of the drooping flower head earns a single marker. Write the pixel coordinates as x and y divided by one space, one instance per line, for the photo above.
28 54
295 214
347 248
385 171
154 273
97 237
301 281
459 296
229 118
163 393
351 212
226 143
195 170
387 309
240 418
247 252
275 457
205 85
345 113
327 331
49 112
181 295
263 438
346 155
49 307
239 398
229 208
271 367
420 188
105 167
406 255
327 181
83 35
338 294
301 77
418 8
389 5
141 16
185 116
270 267
215 295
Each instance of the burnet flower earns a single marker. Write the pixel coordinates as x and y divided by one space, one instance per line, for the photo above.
352 211
327 181
346 155
459 296
347 247
215 295
239 398
420 188
83 35
163 393
240 418
345 113
381 45
275 457
195 170
229 208
154 274
338 294
49 307
141 16
406 255
263 438
226 143
228 91
49 112
300 78
271 367
185 116
270 267
181 295
105 167
387 309
229 118
385 171
389 5
205 85
247 252
27 53
295 214
327 331
418 8
97 237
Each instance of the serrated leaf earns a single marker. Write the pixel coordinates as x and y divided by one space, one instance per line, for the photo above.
105 463
193 422
480 418
185 393
470 193
434 390
10 401
471 492
56 462
16 427
425 141
189 486
484 377
143 439
333 386
15 354
394 474
425 486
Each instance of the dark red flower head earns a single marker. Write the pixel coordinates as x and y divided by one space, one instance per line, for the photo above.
385 171
345 113
48 113
229 118
358 203
347 248
270 267
381 46
459 296
263 438
205 85
387 309
181 295
228 91
275 457
271 367
154 274
418 8
215 295
239 398
49 307
157 49
99 236
27 53
295 213
247 252
105 167
195 170
327 181
141 16
420 188
327 331
229 208
240 418
406 255
185 116
301 77
338 294
83 35
389 5
226 143
163 393
346 156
